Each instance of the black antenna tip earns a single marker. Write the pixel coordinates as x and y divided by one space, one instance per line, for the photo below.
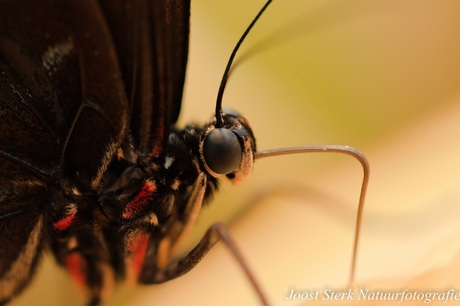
220 94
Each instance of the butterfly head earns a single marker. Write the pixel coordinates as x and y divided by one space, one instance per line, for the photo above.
228 149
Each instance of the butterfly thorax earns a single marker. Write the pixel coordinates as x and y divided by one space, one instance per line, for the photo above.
143 209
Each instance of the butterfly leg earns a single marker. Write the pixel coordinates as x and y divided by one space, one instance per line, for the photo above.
167 270
215 233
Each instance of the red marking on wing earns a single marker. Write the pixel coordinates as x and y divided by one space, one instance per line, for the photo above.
159 136
76 265
64 223
157 150
140 201
138 248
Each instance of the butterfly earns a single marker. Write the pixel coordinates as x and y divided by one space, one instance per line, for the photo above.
93 167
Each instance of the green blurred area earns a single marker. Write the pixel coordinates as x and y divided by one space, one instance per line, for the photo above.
326 71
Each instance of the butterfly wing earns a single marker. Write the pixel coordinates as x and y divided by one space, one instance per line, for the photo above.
63 113
151 38
22 195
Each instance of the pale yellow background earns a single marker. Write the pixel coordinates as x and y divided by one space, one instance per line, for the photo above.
382 76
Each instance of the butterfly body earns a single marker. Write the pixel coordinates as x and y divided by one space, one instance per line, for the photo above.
92 167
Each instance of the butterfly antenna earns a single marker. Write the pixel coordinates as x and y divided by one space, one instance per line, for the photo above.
219 114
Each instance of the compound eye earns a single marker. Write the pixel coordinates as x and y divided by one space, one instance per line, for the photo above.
222 151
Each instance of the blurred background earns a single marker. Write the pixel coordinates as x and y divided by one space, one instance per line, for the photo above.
382 76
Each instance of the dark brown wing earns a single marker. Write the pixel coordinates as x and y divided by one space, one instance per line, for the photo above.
75 76
22 197
63 113
151 38
171 39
